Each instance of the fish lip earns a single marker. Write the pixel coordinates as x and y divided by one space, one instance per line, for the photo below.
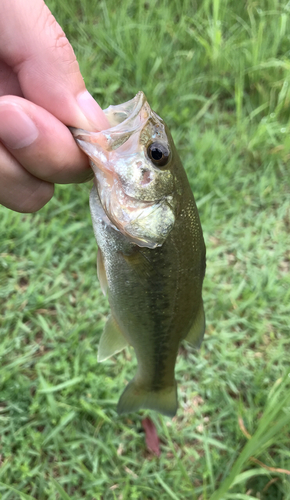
110 139
138 102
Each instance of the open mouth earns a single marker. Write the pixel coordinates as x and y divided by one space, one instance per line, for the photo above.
124 119
125 114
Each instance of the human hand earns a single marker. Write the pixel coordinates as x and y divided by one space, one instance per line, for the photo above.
41 91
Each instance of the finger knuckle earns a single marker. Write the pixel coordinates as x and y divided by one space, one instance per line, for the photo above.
37 198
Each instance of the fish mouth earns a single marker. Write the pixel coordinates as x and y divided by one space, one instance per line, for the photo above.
125 119
125 114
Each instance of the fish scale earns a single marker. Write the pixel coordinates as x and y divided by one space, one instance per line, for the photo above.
151 259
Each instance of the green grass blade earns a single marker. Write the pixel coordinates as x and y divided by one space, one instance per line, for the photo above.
166 488
63 495
22 495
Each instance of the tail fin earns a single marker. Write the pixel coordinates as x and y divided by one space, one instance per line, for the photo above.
135 397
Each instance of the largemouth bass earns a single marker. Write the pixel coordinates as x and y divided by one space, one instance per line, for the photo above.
151 252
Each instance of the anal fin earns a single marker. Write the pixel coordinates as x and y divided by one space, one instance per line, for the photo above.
196 332
112 340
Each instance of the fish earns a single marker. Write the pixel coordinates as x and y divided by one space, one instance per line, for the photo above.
151 254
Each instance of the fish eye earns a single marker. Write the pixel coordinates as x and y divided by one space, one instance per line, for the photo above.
158 154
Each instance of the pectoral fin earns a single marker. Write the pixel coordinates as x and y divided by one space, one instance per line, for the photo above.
112 340
196 333
102 272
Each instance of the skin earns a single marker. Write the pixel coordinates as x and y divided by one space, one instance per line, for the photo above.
41 93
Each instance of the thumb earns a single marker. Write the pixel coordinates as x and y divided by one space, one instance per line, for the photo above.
35 46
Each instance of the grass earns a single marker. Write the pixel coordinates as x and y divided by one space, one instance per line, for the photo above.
218 73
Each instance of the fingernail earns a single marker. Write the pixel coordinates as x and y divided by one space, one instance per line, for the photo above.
17 130
92 111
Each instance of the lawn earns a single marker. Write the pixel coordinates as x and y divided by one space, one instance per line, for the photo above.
218 73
